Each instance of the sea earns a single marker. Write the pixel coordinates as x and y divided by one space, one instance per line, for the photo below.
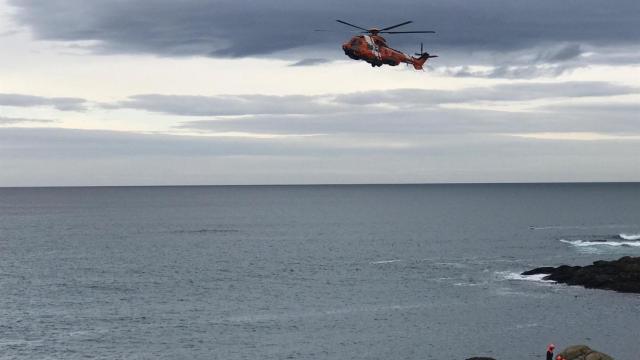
312 272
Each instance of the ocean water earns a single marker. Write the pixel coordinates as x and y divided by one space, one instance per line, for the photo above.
311 272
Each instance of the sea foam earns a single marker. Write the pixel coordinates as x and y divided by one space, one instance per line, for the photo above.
385 261
517 276
582 243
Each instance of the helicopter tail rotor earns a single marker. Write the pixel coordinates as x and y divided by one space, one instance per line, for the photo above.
422 58
425 54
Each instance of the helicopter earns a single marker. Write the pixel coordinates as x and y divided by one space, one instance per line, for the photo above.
373 48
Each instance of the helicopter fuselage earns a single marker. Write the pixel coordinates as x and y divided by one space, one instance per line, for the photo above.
374 50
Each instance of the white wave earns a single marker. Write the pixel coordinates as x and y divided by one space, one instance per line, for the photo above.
582 243
629 236
526 326
469 284
385 261
517 276
560 227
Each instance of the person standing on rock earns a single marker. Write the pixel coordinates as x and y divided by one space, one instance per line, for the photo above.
550 349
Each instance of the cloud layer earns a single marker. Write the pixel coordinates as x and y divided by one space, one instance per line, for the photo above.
60 103
233 28
224 105
48 157
17 121
504 108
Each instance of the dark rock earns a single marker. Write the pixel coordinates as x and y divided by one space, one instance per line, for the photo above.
540 270
583 352
621 275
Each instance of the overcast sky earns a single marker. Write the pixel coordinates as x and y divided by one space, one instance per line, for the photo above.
153 92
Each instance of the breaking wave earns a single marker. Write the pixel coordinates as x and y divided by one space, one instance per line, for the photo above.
507 275
385 261
629 236
582 243
564 227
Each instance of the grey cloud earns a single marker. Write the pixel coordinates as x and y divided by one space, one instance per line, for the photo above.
504 92
567 52
626 56
60 103
76 143
602 109
239 105
512 71
431 121
545 60
225 105
541 61
234 28
45 157
12 120
616 118
310 62
401 111
8 33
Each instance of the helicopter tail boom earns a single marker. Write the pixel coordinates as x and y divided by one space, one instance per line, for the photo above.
419 61
422 58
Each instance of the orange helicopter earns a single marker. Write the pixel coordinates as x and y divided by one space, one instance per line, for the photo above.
373 48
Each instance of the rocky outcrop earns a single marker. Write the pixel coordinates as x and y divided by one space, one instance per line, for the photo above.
583 352
575 352
621 275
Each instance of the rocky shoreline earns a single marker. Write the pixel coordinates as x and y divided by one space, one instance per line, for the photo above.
622 275
574 352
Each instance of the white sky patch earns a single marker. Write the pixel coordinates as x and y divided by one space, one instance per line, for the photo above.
506 106
619 74
540 105
38 112
239 134
575 136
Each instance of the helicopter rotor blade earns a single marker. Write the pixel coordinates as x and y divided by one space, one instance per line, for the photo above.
395 26
355 26
407 32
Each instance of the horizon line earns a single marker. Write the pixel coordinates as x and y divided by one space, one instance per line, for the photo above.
331 184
